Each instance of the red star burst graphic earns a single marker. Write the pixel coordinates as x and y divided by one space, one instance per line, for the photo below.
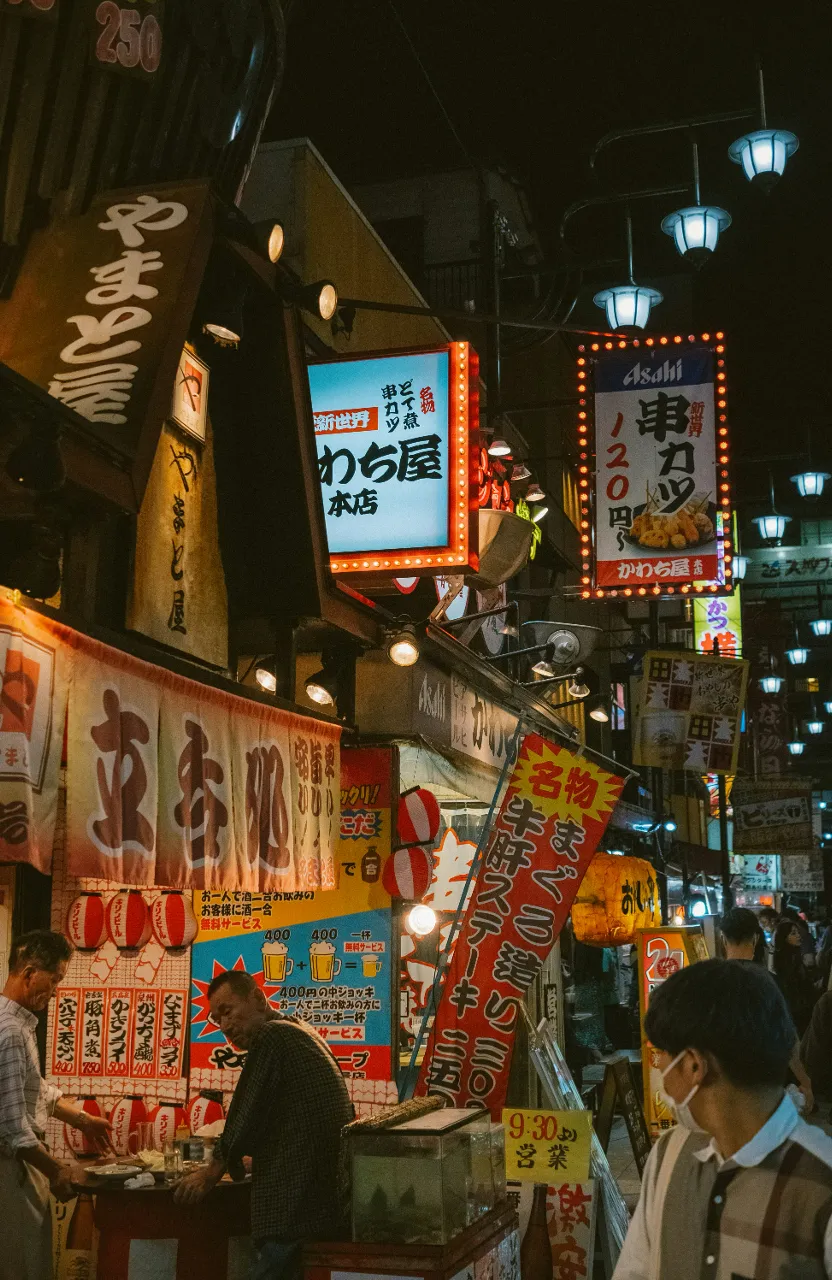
201 1010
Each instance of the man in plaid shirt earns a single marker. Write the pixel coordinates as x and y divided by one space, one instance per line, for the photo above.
287 1113
37 963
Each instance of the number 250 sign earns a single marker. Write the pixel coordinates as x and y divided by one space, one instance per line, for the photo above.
128 38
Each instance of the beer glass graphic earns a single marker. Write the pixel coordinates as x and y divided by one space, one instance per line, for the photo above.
370 965
322 962
276 966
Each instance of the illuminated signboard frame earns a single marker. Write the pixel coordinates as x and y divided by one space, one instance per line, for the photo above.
461 550
588 354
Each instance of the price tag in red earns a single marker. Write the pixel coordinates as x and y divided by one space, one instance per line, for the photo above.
128 37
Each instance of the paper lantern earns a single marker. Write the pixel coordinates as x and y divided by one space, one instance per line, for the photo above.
173 920
78 1142
125 1115
617 896
128 919
407 874
418 817
86 922
204 1110
166 1119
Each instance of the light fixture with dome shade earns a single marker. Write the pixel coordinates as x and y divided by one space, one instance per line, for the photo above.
772 527
539 514
599 711
814 726
821 626
763 152
796 748
628 306
520 472
740 567
265 676
578 687
798 656
322 687
696 229
534 493
319 299
827 706
771 684
810 483
499 449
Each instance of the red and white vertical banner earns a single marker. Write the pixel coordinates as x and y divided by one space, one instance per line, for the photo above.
119 1025
145 1037
65 1039
112 766
34 667
553 815
171 1034
196 845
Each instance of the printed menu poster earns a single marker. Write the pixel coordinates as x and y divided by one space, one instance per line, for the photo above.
327 958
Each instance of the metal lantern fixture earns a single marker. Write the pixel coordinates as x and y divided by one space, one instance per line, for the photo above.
696 229
814 726
797 656
771 684
827 706
772 527
740 567
822 626
797 748
810 483
628 306
763 152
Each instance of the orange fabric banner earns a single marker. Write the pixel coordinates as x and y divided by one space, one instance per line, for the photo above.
33 693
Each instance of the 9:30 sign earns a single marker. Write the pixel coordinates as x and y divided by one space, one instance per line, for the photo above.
129 38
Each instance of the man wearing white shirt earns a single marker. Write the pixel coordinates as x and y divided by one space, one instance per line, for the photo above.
37 963
742 1187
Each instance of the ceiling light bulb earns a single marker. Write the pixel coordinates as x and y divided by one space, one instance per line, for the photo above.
421 920
266 679
499 449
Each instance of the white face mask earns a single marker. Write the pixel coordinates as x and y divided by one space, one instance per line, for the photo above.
680 1110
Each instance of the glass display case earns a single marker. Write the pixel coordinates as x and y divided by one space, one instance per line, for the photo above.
426 1180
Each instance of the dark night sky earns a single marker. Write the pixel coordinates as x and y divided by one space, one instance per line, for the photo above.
532 84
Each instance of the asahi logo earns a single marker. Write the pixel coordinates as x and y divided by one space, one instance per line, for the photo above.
432 699
644 375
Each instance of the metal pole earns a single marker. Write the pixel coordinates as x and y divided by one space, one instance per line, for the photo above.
657 786
695 149
761 89
724 857
629 222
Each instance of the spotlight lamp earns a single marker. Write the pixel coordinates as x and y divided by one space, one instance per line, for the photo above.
740 567
499 449
276 242
520 472
319 299
402 645
421 920
577 688
821 626
600 713
771 684
810 483
266 678
539 514
322 687
534 493
36 462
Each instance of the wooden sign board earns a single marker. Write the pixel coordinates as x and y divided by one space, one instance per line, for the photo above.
619 1087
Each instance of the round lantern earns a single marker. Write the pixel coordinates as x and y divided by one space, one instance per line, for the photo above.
166 1119
206 1108
125 1115
86 922
173 920
78 1142
418 816
128 919
407 874
617 896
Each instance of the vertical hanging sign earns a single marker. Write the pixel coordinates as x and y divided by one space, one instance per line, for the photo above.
657 498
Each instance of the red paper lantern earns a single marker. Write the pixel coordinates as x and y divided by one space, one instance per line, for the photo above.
128 919
418 817
166 1119
173 920
125 1115
86 922
78 1142
204 1111
407 874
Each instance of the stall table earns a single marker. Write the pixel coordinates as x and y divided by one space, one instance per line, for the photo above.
490 1248
144 1235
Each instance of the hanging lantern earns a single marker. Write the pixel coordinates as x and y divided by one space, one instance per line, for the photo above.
696 230
173 921
418 816
407 874
617 896
78 1142
206 1108
771 528
628 306
125 1115
763 154
771 684
128 919
796 748
166 1119
810 483
798 656
740 567
822 626
86 922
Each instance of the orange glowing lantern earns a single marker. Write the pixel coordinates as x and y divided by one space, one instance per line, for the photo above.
618 895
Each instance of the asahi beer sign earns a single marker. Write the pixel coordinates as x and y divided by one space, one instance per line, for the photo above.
659 482
392 436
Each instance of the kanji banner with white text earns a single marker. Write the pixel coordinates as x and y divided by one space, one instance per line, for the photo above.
553 815
33 692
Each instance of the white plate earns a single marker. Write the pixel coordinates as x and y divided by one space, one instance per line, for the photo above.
115 1171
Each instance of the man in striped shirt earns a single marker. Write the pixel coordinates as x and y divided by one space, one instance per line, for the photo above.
37 963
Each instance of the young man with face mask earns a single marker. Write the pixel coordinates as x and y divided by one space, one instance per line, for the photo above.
741 1188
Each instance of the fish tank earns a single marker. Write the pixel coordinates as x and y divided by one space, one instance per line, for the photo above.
426 1180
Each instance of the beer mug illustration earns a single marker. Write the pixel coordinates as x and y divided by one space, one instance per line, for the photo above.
322 962
370 965
276 966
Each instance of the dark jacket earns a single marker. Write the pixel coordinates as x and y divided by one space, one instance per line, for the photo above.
816 1046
